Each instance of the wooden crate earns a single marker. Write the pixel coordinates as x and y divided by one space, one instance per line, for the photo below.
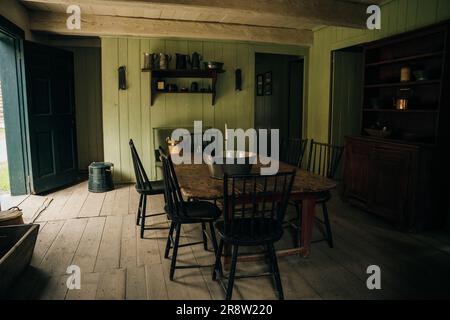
16 249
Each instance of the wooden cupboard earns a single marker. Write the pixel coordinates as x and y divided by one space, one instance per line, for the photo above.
400 174
392 180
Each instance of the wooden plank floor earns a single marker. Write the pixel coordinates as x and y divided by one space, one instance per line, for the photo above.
97 232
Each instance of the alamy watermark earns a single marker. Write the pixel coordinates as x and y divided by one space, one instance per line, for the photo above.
73 282
73 22
237 147
374 280
374 20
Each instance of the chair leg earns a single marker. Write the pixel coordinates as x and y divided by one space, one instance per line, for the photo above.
175 251
298 209
143 213
213 237
139 210
205 238
276 271
232 273
326 220
169 240
218 263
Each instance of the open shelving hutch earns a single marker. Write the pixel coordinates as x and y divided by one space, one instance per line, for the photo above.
423 51
174 74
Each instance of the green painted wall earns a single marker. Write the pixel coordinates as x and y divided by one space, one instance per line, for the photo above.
127 114
88 105
397 16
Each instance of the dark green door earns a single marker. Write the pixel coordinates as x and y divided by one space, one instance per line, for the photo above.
51 116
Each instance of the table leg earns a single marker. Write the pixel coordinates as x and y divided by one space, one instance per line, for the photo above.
308 213
226 259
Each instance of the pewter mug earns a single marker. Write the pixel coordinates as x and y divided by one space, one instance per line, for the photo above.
163 61
195 61
149 61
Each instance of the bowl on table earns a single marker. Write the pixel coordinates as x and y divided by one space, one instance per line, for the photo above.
231 163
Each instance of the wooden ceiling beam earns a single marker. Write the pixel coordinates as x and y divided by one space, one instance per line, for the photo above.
93 25
274 13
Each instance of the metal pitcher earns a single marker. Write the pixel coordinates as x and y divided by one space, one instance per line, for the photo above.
150 61
182 61
163 61
195 61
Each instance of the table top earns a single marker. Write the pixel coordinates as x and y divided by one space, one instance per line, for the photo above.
195 181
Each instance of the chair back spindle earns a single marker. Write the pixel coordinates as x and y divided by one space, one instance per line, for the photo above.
324 159
292 151
255 205
174 198
142 181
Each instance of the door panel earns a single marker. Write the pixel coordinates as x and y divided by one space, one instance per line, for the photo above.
357 171
389 182
51 117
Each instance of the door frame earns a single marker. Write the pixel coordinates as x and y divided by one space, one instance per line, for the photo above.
300 60
17 121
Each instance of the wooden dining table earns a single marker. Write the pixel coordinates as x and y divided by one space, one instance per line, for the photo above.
196 183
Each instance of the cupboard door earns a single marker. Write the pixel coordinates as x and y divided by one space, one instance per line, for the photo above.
356 171
389 179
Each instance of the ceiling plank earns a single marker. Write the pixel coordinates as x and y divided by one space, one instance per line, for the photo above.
94 25
274 13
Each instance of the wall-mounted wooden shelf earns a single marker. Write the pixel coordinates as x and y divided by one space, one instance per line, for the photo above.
194 74
403 84
402 111
406 59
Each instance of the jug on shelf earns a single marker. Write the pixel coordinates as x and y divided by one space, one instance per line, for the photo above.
150 61
196 60
182 61
163 61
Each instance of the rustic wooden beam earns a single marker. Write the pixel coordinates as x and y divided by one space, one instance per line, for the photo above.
92 25
280 13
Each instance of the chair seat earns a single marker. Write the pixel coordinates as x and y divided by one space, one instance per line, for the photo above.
156 187
242 235
196 212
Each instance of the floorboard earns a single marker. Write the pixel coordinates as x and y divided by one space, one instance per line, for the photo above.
59 256
98 233
109 252
86 254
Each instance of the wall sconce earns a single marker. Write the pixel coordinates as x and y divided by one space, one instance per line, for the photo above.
238 80
122 78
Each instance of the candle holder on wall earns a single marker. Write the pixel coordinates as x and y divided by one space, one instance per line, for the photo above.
122 78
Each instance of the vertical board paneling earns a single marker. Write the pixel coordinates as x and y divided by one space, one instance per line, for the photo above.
127 114
397 16
111 131
145 151
88 105
134 98
443 9
124 134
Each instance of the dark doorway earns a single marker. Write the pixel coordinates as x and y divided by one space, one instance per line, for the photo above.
280 106
51 115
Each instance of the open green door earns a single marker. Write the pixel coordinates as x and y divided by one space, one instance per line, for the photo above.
51 117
